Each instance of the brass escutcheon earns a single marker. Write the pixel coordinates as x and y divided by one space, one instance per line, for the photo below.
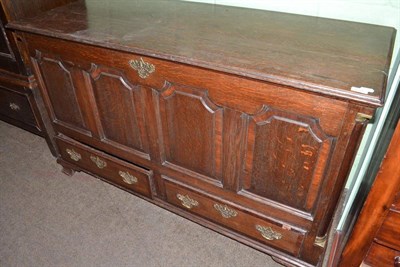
187 201
268 233
127 177
143 68
73 154
225 211
99 162
320 241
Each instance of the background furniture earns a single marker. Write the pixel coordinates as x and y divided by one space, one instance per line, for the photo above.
17 86
375 238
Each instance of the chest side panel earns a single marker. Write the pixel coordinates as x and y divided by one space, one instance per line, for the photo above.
286 158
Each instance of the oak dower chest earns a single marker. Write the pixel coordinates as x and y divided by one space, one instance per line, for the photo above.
241 120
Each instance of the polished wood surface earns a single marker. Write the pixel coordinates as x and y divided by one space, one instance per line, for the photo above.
375 213
381 256
321 55
274 149
389 233
396 203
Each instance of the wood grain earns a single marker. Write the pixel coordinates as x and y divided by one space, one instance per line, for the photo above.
257 115
244 222
381 256
376 207
315 54
389 233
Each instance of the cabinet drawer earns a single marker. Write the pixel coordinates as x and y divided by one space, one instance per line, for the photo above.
389 233
234 217
16 106
380 256
116 171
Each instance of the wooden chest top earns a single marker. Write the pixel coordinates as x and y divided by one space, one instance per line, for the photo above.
309 53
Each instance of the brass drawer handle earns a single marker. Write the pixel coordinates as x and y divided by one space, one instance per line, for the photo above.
268 233
127 177
225 211
187 201
73 154
14 107
99 162
143 68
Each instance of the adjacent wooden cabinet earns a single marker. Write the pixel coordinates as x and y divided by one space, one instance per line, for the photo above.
18 105
233 126
375 238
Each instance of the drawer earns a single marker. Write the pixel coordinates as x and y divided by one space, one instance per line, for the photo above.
389 233
234 217
16 106
381 256
118 172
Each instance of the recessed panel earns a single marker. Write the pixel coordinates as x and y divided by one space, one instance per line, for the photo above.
286 158
192 130
62 93
119 110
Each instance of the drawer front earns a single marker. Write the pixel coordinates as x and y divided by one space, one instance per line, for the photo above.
16 106
381 256
235 218
116 171
389 233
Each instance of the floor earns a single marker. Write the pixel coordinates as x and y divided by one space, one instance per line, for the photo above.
50 219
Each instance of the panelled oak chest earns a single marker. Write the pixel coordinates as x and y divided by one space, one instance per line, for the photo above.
241 120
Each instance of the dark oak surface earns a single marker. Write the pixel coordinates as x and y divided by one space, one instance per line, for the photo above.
316 54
